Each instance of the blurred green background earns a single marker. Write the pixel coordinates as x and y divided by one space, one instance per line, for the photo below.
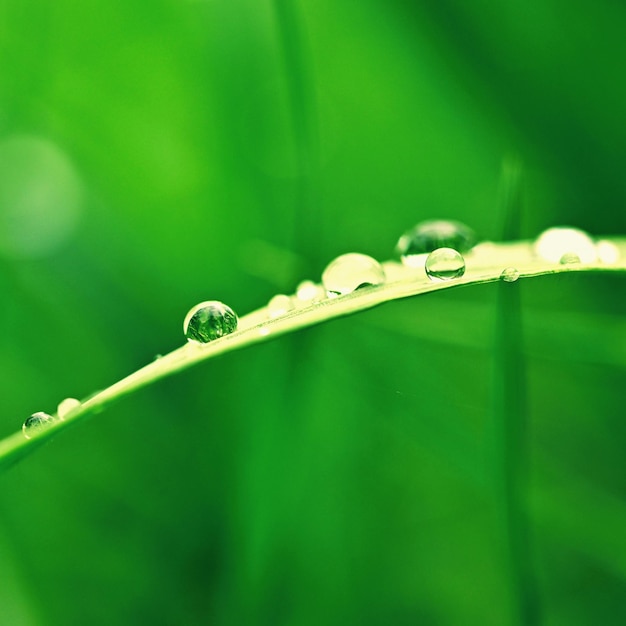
153 155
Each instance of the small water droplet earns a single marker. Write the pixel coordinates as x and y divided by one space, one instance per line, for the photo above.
565 245
509 274
350 271
607 252
445 264
36 423
428 236
307 291
208 321
279 305
569 258
67 405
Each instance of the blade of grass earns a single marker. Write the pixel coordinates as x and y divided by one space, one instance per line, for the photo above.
300 88
511 422
483 265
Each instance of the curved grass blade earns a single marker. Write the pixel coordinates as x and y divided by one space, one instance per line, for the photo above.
484 264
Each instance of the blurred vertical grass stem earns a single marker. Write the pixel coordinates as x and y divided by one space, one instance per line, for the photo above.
511 442
291 34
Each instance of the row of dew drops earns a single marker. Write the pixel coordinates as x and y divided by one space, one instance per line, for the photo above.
437 246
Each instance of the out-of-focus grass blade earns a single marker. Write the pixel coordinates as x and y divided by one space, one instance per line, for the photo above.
511 421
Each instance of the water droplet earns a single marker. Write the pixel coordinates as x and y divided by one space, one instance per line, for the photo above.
307 290
445 264
566 245
607 252
428 236
279 305
67 405
509 274
37 423
350 271
208 321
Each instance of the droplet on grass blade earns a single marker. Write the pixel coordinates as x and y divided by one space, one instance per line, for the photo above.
208 321
428 236
445 264
509 274
566 245
607 252
279 305
67 405
36 423
569 258
350 271
308 291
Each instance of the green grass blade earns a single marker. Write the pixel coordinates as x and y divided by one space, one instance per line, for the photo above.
292 40
483 265
511 422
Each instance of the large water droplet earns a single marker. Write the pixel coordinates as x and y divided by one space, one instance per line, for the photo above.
509 274
208 321
67 405
445 264
350 271
428 236
566 245
279 305
36 423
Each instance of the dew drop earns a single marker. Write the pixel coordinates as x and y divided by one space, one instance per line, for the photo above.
307 291
445 264
509 274
607 252
350 271
428 236
36 423
67 405
566 245
208 321
279 305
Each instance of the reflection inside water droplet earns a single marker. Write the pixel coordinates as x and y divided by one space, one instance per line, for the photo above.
509 274
36 423
67 405
350 271
428 236
566 245
208 321
445 264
